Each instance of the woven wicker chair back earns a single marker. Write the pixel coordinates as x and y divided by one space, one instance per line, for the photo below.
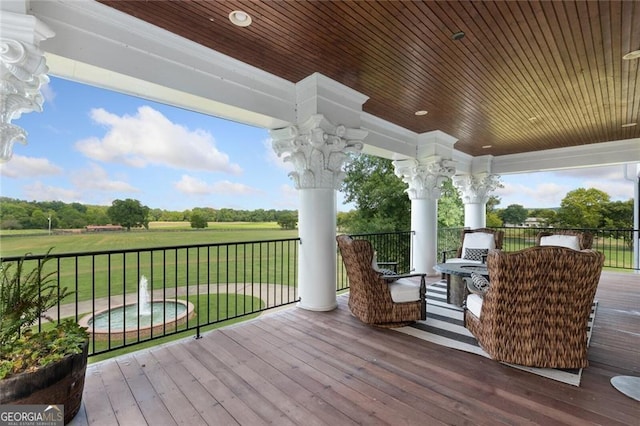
536 310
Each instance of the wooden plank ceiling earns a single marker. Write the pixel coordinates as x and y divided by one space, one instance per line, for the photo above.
527 76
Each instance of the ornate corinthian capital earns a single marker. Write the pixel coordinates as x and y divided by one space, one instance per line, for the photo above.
424 176
476 188
317 149
22 71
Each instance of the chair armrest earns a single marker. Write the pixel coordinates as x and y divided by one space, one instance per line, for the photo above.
444 254
398 276
392 265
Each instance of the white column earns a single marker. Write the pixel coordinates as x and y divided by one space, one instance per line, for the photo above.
318 150
475 191
23 70
424 177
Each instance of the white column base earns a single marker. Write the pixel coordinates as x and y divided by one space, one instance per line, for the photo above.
317 263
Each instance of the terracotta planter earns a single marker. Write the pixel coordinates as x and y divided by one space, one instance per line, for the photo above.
58 383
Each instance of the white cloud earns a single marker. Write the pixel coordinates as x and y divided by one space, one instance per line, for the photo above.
95 178
27 167
39 191
542 195
613 188
150 138
192 185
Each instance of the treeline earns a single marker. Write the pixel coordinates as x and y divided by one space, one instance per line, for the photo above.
20 214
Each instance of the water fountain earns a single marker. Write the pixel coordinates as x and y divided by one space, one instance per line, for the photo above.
145 317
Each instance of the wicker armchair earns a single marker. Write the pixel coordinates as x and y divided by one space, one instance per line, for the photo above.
536 310
371 294
565 238
498 236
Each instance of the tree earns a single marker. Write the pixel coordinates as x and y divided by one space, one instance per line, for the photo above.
382 204
514 214
492 202
450 207
378 194
583 208
198 221
129 213
39 220
288 220
547 217
493 220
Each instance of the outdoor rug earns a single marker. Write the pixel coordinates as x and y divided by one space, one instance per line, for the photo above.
444 326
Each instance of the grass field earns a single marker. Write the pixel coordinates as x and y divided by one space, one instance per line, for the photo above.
160 234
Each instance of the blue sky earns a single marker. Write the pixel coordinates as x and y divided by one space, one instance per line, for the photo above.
93 146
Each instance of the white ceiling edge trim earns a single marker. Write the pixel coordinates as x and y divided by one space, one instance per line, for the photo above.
99 77
91 33
592 155
388 140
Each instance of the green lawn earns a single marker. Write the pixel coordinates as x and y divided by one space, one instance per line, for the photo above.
17 243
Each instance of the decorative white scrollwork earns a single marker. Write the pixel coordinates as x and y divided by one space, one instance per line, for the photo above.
318 150
424 176
23 71
476 188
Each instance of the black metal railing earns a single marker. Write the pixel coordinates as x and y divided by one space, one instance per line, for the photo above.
393 251
210 284
616 244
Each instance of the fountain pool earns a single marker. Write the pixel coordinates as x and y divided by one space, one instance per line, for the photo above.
144 318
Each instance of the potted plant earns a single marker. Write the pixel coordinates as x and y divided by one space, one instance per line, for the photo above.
45 367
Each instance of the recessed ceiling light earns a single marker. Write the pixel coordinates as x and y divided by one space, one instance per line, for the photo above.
629 124
634 54
240 18
422 112
486 146
458 36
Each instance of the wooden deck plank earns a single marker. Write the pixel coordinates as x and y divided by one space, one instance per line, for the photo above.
440 402
302 367
173 398
294 400
189 385
240 411
285 385
93 403
341 411
149 402
338 395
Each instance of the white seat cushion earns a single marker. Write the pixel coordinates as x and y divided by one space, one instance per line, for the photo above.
569 241
474 304
404 290
461 260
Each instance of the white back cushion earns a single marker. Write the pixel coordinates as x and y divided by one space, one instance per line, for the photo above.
569 241
480 240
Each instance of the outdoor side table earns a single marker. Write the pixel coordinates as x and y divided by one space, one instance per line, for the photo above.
455 272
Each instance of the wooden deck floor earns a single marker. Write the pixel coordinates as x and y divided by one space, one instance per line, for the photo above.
297 367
